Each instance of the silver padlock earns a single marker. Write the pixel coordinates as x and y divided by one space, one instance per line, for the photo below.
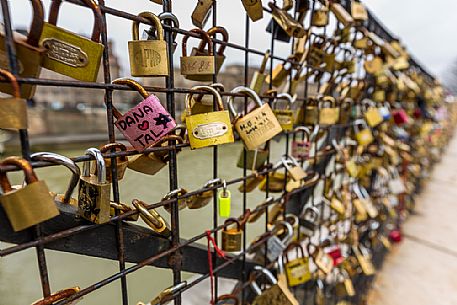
309 221
276 246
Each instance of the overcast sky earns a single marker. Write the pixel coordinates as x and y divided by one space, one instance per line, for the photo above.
428 29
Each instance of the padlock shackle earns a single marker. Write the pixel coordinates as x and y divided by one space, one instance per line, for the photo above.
61 160
303 129
97 29
359 122
174 193
246 91
99 165
283 97
313 212
212 33
4 74
267 273
116 146
228 297
203 36
30 176
230 221
153 19
36 27
172 17
150 217
290 247
132 84
327 100
289 229
209 89
58 296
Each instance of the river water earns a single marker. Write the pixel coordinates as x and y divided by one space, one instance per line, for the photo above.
19 277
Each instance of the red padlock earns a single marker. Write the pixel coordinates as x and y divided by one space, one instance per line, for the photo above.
335 253
395 236
400 116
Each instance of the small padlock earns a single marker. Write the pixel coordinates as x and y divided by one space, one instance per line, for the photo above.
152 219
198 67
297 270
363 136
94 191
61 199
344 286
276 246
224 200
148 57
257 126
309 221
231 238
329 114
293 168
202 199
285 116
121 162
13 110
70 54
319 296
259 76
254 9
219 56
202 12
29 55
30 204
147 122
372 115
320 17
301 148
341 14
311 111
291 26
59 296
358 11
182 203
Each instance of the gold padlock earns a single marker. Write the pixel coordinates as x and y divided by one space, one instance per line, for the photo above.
182 203
201 13
70 54
341 14
202 199
121 162
311 111
253 8
374 65
231 238
30 204
285 116
293 168
29 55
363 136
255 159
320 17
207 129
259 77
148 57
358 11
152 219
94 191
279 74
372 114
198 67
297 270
329 114
291 26
13 110
257 126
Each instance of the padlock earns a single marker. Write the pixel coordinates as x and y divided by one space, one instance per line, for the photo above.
309 220
147 122
254 158
207 129
277 293
400 116
277 32
198 67
151 34
254 9
275 245
358 11
121 162
378 95
329 113
344 286
219 56
395 184
61 199
167 295
148 57
152 219
119 208
59 296
224 201
279 74
384 110
251 182
231 238
203 103
341 14
345 110
13 110
285 116
364 259
301 148
297 270
293 168
257 126
30 204
94 191
374 66
29 55
182 203
291 26
364 197
372 115
363 136
259 76
320 17
70 54
202 199
319 296
311 111
361 43
202 12
151 163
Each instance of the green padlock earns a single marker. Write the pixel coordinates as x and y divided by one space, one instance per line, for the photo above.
224 199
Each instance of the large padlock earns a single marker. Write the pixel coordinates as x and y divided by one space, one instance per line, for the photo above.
121 162
285 116
211 128
277 293
329 113
309 220
94 190
148 57
255 159
202 199
146 123
70 54
231 238
29 55
61 199
300 148
198 67
291 26
151 163
30 204
253 8
363 136
257 126
297 270
202 12
259 76
13 110
293 168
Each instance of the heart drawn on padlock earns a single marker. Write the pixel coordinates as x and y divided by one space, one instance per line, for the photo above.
143 126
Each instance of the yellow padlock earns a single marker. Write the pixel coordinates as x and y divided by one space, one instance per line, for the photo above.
329 114
285 116
363 136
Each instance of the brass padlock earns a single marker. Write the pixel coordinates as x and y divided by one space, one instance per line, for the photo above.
311 111
253 8
121 162
94 191
291 26
293 168
341 14
13 110
198 67
320 17
30 204
202 199
345 110
211 128
231 238
61 199
374 66
329 114
151 34
275 294
70 54
182 203
148 57
372 114
358 11
255 159
285 116
363 136
297 270
202 12
279 74
257 126
29 55
152 219
259 76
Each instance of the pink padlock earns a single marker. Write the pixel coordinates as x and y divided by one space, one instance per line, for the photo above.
146 123
400 116
300 148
